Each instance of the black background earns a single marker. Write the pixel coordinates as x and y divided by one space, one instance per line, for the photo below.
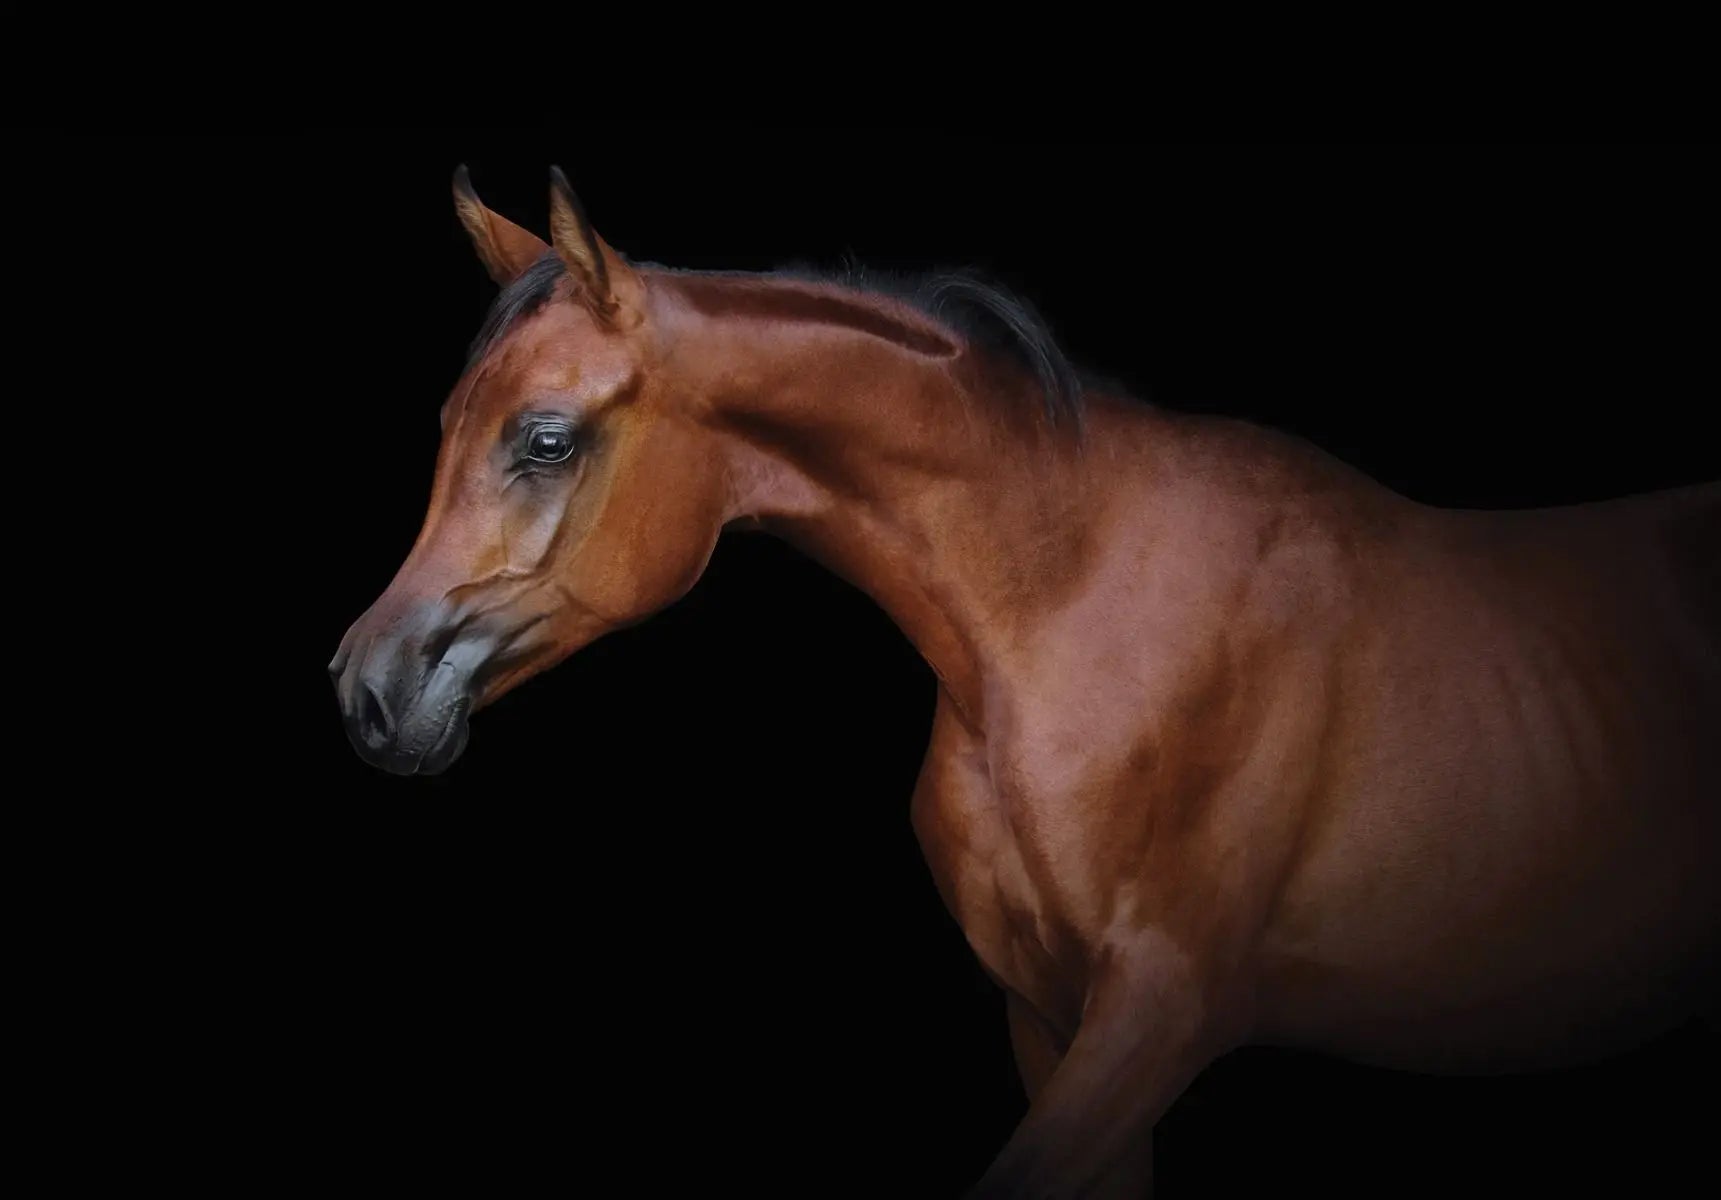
666 921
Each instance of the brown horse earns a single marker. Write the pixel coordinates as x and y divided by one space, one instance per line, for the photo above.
1232 744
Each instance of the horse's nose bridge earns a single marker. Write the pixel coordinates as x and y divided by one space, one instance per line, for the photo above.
385 652
394 645
429 588
416 598
404 626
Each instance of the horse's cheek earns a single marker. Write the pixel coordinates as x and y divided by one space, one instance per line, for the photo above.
529 531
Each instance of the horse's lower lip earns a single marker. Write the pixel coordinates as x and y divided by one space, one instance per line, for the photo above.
401 755
446 694
448 748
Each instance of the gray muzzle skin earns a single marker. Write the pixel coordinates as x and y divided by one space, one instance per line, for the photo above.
406 693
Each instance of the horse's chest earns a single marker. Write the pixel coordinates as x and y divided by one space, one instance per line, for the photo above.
1009 914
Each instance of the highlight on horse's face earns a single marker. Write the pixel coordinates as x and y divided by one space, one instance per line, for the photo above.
566 502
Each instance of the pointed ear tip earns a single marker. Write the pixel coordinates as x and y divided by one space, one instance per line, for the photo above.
463 182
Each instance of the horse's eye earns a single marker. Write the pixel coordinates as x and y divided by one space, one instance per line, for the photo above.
550 443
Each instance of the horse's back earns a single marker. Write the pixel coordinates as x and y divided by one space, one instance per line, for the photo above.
1648 567
1521 843
1688 523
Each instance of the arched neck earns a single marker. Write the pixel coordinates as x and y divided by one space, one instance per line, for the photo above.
878 442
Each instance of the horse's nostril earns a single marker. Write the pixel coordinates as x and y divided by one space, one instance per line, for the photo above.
374 719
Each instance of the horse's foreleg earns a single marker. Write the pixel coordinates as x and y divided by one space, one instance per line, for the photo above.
1037 1046
1089 1129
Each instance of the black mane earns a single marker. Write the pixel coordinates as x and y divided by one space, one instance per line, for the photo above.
977 309
969 305
523 296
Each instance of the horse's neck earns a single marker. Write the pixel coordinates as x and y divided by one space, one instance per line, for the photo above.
860 431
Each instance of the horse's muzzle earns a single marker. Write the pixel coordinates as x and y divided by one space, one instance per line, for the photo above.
405 709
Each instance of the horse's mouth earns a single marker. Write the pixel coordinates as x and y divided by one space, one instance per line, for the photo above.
445 745
449 746
428 737
434 731
406 711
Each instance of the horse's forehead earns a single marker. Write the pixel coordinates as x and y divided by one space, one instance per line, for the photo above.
549 354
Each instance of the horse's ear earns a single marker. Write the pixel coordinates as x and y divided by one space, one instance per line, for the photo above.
505 248
606 282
